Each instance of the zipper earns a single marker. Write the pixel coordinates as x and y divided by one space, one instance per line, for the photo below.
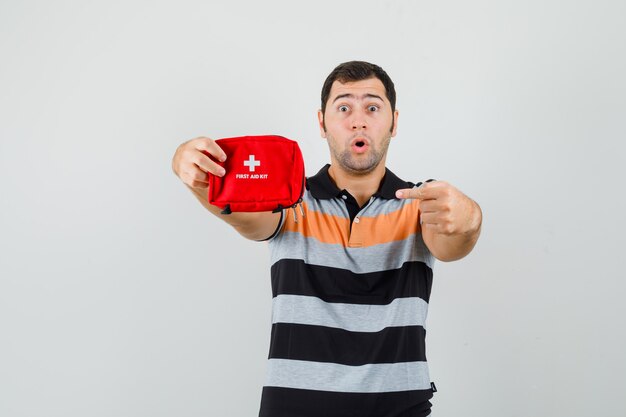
295 213
299 202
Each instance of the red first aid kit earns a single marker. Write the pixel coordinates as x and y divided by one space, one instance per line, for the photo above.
263 173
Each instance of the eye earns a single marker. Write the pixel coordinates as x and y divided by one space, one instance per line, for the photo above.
372 108
343 108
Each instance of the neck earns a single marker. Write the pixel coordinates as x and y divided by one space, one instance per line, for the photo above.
361 187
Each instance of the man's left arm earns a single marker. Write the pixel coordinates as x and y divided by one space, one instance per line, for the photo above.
450 220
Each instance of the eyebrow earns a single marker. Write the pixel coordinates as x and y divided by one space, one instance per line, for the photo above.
348 95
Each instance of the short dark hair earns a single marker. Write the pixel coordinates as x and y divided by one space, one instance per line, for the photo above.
357 71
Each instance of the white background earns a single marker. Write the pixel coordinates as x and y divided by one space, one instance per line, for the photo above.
120 295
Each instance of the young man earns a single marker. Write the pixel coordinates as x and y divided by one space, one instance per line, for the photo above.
351 279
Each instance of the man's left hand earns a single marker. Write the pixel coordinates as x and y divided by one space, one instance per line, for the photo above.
446 211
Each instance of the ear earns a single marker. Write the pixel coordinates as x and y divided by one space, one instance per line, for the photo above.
396 113
320 120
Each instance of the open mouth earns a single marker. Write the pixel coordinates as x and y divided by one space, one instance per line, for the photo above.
360 145
359 141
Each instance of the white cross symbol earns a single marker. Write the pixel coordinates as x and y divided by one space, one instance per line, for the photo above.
251 163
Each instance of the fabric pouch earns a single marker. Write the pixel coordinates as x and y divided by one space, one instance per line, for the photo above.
263 173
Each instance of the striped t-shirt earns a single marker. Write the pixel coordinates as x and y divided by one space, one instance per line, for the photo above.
350 289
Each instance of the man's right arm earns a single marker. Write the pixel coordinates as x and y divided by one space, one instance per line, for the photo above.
192 165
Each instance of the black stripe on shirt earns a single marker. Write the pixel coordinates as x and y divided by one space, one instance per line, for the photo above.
291 402
293 276
327 344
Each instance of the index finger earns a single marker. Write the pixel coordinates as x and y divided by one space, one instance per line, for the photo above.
208 145
421 192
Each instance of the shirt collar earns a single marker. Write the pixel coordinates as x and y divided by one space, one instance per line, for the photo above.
322 187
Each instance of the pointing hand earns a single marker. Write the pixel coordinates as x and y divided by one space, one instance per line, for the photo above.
443 208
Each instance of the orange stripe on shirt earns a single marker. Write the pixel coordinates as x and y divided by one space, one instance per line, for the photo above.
368 231
385 228
324 227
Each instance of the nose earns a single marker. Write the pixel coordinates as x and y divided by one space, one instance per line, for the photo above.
358 121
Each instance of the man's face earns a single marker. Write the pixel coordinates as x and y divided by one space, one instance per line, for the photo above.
358 124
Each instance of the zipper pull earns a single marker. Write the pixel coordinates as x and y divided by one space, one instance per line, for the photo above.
295 215
301 209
